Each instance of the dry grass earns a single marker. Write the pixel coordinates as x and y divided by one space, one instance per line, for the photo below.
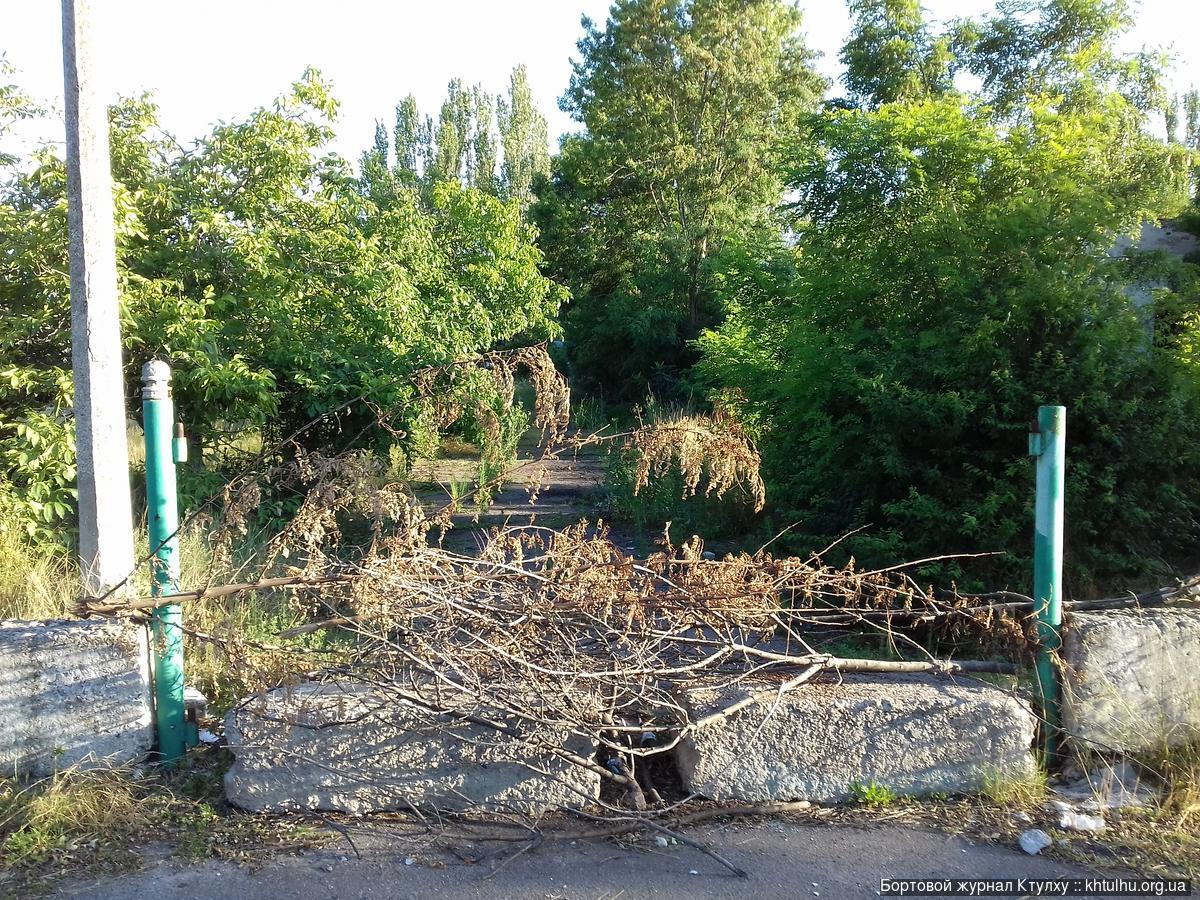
93 821
1178 767
1007 790
76 820
34 583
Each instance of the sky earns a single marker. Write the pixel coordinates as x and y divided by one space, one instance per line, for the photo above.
219 59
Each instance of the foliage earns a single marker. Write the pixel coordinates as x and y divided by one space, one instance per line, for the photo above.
498 145
891 54
682 101
654 479
277 283
945 281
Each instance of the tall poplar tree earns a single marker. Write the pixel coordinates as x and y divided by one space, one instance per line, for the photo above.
683 102
524 138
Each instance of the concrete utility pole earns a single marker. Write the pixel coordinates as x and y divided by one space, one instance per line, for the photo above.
105 511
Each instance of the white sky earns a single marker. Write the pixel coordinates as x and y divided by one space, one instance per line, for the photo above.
217 59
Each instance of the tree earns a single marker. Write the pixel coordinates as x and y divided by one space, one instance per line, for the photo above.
891 55
682 101
524 139
1191 131
413 139
472 129
1171 119
943 282
277 283
1060 52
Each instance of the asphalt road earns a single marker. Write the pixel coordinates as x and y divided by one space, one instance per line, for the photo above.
783 859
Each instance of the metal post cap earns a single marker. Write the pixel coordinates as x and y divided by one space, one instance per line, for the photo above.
156 380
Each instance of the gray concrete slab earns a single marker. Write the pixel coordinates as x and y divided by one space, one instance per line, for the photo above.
1132 678
915 735
71 692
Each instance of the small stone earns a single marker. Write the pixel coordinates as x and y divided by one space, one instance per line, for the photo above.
328 867
1034 841
662 841
693 872
408 860
1023 816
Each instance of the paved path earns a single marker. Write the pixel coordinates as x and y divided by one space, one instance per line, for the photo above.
566 491
785 860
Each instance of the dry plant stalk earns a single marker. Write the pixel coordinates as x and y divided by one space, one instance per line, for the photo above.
702 447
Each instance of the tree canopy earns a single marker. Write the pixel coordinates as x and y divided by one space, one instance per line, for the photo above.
682 102
279 283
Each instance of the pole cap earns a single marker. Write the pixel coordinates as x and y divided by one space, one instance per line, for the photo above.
156 380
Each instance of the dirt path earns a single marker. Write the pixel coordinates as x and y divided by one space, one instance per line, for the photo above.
784 860
570 490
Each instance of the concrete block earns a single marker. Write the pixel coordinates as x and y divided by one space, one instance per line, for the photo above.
359 748
917 735
70 692
1132 678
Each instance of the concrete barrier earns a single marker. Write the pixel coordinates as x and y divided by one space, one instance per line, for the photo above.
72 692
914 735
358 749
1132 678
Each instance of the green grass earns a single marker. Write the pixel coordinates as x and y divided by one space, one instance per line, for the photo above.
34 583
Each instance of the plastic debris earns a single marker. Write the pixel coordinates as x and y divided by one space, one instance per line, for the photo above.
1034 841
1077 821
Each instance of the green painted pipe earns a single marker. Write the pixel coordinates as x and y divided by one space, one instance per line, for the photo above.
1048 444
162 515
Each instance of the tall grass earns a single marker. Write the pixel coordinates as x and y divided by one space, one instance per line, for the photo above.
35 582
41 582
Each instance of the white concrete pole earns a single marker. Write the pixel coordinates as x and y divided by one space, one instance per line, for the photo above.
105 511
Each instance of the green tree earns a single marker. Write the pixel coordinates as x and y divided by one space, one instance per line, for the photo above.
413 139
943 282
524 139
682 101
891 54
1191 132
496 145
1060 52
278 283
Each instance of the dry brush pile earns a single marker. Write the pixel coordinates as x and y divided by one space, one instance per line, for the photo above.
546 631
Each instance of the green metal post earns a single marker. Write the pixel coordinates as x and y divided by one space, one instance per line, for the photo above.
1048 444
162 514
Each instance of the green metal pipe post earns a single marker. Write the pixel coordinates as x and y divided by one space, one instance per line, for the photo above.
162 515
1048 444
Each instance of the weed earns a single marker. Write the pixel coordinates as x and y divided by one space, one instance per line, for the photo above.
873 795
75 811
1178 766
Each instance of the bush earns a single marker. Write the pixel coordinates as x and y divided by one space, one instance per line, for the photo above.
946 282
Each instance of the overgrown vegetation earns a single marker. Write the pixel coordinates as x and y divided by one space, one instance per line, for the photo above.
277 281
